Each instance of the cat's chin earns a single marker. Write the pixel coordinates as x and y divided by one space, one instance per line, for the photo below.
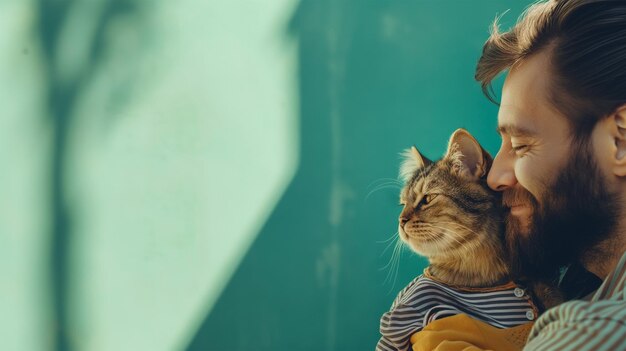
403 235
419 247
415 239
406 238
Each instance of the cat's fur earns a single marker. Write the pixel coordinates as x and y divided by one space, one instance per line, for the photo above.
451 217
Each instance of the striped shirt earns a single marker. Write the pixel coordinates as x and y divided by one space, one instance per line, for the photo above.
425 299
595 324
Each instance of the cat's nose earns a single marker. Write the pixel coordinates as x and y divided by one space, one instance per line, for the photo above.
403 220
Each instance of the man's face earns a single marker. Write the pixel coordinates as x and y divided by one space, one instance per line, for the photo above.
555 195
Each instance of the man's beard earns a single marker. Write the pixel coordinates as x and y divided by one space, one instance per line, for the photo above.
576 214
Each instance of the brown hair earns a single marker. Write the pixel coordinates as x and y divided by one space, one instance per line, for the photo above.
586 42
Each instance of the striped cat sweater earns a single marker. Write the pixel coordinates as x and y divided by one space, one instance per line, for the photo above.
425 299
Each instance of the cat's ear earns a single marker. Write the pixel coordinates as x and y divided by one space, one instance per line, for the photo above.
468 158
413 161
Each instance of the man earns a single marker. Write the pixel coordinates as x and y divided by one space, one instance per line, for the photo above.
561 169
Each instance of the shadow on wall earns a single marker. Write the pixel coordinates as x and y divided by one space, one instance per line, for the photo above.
63 84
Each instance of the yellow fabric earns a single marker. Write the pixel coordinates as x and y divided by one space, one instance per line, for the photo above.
462 333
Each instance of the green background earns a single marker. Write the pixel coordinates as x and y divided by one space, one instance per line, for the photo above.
219 175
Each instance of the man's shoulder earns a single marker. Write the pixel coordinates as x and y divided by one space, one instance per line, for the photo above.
594 320
580 325
613 286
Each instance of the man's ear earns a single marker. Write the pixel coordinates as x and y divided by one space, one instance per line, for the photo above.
469 159
618 131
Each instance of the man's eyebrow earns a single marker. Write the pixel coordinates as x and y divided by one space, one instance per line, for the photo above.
515 131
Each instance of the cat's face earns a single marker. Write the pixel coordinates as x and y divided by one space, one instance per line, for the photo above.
447 204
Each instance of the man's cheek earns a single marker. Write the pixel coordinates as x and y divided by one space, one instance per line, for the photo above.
529 177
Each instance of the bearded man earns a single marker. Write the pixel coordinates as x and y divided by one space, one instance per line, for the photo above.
561 169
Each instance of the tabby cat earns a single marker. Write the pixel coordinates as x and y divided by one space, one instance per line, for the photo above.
450 214
451 217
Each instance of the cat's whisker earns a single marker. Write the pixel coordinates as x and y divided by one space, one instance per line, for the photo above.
398 251
393 253
423 232
390 243
395 267
381 187
386 181
428 233
468 245
447 231
395 277
387 248
388 276
395 262
452 234
386 184
393 236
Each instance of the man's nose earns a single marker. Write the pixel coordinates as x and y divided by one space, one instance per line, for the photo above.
502 174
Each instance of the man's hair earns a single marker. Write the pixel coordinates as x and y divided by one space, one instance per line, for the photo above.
586 44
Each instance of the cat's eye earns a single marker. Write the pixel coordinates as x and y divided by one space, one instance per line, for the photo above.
428 198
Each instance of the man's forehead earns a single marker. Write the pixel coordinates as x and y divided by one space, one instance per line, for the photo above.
524 94
515 121
515 130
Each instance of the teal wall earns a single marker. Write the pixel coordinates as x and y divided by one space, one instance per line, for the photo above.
217 175
374 78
